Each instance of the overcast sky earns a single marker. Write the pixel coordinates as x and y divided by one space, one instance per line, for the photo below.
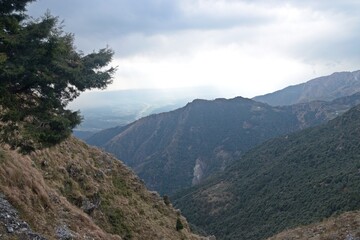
244 47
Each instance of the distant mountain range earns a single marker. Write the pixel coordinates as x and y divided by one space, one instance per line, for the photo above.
178 149
325 88
103 110
289 181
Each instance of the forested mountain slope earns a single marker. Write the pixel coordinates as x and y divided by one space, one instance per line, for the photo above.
325 88
174 150
289 181
73 191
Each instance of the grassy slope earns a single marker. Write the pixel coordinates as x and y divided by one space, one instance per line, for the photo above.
286 182
345 226
51 188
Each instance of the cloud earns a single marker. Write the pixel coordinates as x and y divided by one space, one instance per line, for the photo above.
206 68
123 17
252 46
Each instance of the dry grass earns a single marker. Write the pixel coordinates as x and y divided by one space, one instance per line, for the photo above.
50 187
344 226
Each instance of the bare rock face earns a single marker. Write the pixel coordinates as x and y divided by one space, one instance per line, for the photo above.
198 171
351 237
9 218
64 233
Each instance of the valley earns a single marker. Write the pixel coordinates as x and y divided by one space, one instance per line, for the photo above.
240 179
178 149
191 140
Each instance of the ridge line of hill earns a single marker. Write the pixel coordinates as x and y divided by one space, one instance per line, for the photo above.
322 88
181 148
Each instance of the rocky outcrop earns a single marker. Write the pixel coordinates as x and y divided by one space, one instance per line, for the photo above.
14 226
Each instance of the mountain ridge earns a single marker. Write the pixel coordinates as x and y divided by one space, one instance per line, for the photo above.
204 136
325 88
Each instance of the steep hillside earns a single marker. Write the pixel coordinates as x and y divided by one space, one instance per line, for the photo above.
104 136
286 182
174 150
323 88
346 226
73 191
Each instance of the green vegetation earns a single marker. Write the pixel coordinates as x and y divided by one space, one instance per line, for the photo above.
289 181
2 156
116 219
41 72
120 185
179 225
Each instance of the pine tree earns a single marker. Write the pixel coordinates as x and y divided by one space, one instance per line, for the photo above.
40 73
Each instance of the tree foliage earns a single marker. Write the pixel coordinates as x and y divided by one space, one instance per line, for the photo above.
179 225
41 72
